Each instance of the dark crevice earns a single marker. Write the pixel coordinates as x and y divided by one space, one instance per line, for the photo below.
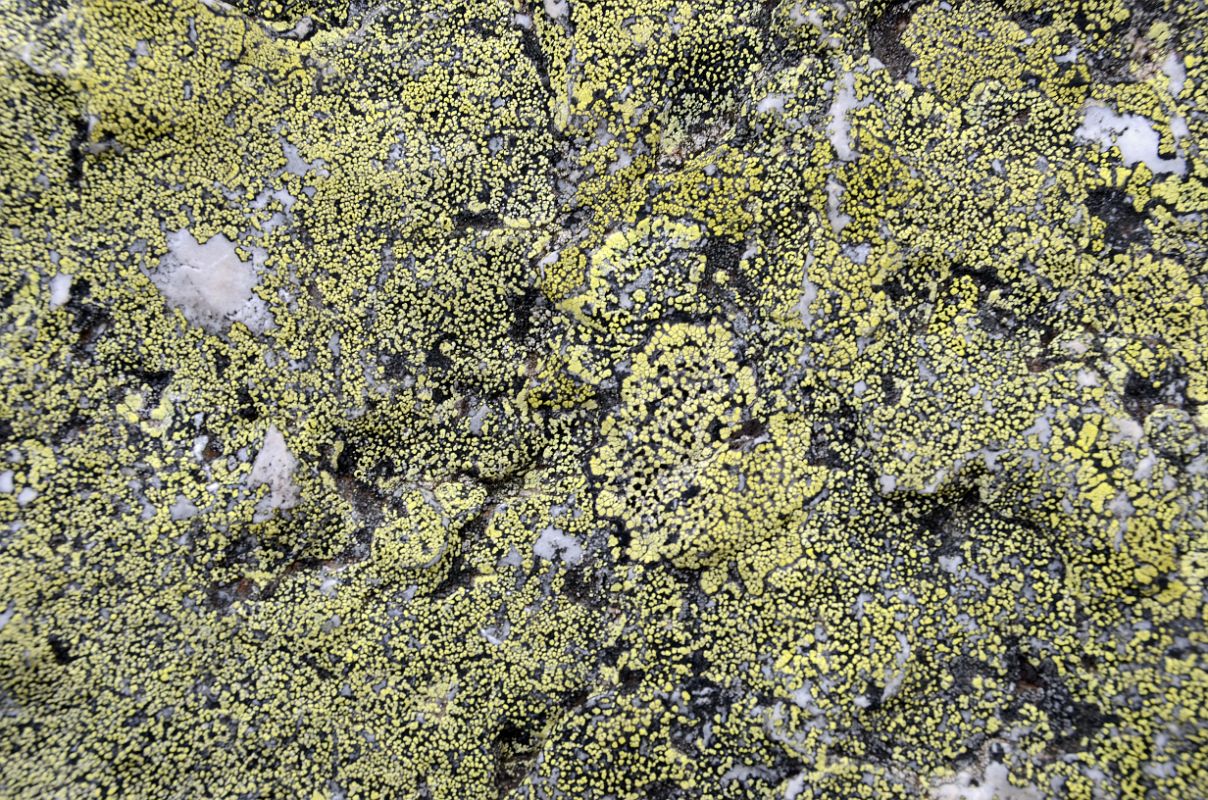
246 405
476 220
834 438
631 679
723 258
986 279
889 388
222 596
515 750
460 577
946 521
624 538
91 320
750 432
581 586
522 306
531 47
1039 683
435 358
1143 394
1124 224
75 173
462 574
61 651
885 37
155 380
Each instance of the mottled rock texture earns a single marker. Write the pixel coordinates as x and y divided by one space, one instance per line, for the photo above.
498 399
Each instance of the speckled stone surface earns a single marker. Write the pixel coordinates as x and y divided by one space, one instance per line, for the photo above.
619 400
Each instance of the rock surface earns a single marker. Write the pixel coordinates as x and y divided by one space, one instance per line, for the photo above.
603 399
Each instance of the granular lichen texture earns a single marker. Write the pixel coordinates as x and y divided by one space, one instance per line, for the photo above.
634 399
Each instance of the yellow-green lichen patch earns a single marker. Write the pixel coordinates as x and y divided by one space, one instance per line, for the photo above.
619 400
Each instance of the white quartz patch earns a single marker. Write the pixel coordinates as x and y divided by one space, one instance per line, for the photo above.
210 284
809 293
497 634
1176 73
183 508
834 205
838 129
554 543
477 416
274 467
1132 133
993 785
60 290
624 159
773 102
295 164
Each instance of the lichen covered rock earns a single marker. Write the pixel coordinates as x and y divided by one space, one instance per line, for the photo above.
603 400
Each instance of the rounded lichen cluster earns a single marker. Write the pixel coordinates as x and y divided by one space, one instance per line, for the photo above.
603 399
